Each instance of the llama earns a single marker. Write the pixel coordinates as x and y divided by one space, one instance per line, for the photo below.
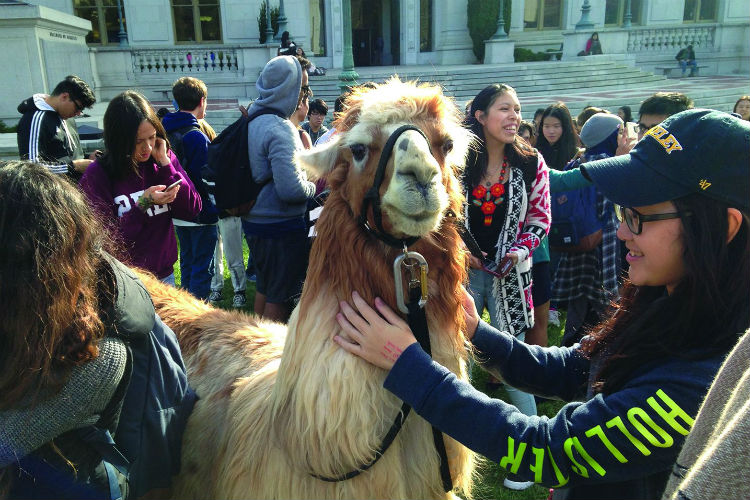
281 404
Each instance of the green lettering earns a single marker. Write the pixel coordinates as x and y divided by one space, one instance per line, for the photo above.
617 422
666 441
577 467
514 456
674 412
538 463
599 432
562 479
574 442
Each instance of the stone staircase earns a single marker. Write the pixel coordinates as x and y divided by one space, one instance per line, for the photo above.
529 79
604 81
595 81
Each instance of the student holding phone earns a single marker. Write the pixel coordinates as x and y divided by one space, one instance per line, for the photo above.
507 191
138 186
635 383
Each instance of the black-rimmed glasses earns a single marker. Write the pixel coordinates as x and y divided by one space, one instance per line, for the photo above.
79 107
634 219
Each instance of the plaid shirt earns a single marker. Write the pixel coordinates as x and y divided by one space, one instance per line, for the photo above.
591 274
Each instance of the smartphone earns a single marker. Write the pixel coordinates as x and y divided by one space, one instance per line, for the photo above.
173 185
498 270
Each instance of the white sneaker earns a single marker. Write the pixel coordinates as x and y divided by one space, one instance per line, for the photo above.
554 317
517 485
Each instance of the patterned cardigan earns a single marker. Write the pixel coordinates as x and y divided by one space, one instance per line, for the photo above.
527 222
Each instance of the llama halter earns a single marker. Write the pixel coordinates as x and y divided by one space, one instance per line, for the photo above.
416 266
373 194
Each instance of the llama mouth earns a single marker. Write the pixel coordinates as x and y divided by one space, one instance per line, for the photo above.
419 219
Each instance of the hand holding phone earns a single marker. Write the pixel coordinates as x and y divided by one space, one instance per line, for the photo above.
500 270
173 185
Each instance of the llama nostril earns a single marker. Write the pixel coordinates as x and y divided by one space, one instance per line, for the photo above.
404 144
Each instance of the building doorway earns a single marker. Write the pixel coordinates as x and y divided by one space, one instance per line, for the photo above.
376 32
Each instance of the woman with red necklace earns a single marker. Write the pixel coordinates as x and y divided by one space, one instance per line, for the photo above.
507 193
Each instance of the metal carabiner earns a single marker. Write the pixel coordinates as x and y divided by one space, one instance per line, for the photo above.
417 278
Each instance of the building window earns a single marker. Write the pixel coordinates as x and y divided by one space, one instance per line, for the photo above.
105 24
317 28
699 11
614 12
542 14
425 25
196 20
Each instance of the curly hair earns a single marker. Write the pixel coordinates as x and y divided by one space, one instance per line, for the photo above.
50 259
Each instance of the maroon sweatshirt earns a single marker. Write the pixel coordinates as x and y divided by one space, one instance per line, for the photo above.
147 237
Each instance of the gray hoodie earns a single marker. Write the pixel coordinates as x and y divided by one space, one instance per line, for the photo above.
272 142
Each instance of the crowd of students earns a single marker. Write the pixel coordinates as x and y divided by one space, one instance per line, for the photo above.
653 307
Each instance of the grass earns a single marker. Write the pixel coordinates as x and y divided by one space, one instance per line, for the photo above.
489 484
491 476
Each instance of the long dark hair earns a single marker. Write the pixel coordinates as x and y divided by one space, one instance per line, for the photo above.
519 153
557 155
49 282
705 313
121 121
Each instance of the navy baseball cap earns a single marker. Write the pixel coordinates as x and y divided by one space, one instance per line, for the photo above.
695 151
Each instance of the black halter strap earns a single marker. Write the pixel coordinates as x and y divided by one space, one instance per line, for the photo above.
373 194
418 324
416 317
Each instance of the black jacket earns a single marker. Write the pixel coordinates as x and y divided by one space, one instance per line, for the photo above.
44 137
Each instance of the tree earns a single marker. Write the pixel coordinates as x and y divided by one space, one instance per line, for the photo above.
262 21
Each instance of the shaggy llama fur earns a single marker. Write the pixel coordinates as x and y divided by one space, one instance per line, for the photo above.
279 403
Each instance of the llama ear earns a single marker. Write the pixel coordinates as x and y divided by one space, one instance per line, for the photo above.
319 160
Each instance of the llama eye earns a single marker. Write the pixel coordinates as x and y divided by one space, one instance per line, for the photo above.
447 146
358 151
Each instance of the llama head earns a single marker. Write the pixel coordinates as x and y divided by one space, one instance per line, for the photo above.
420 180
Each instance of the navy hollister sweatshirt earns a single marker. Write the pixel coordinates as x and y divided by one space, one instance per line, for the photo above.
620 445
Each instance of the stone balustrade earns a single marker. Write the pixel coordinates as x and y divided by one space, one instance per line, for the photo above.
671 39
187 60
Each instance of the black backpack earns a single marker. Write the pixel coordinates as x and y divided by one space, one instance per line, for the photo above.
208 215
175 143
227 172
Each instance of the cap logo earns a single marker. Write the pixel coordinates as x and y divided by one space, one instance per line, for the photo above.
663 137
704 184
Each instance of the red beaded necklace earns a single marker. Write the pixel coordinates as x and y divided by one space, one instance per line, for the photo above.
488 200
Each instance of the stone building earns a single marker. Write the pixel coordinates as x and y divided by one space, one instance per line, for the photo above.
119 44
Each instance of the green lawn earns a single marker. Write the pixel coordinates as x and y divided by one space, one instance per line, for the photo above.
490 478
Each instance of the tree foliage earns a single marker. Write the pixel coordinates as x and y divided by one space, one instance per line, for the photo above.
482 21
262 21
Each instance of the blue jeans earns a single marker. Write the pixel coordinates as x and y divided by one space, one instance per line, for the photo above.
693 66
197 244
480 288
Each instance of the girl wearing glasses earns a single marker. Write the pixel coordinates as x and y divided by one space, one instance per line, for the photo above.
635 383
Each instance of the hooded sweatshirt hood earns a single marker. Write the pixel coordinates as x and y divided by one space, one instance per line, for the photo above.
279 85
178 119
37 101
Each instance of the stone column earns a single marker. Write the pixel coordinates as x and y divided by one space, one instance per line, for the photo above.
516 15
452 41
348 76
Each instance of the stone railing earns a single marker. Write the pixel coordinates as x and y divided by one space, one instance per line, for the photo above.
186 60
671 39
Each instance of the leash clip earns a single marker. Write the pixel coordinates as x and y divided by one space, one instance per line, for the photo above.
416 265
